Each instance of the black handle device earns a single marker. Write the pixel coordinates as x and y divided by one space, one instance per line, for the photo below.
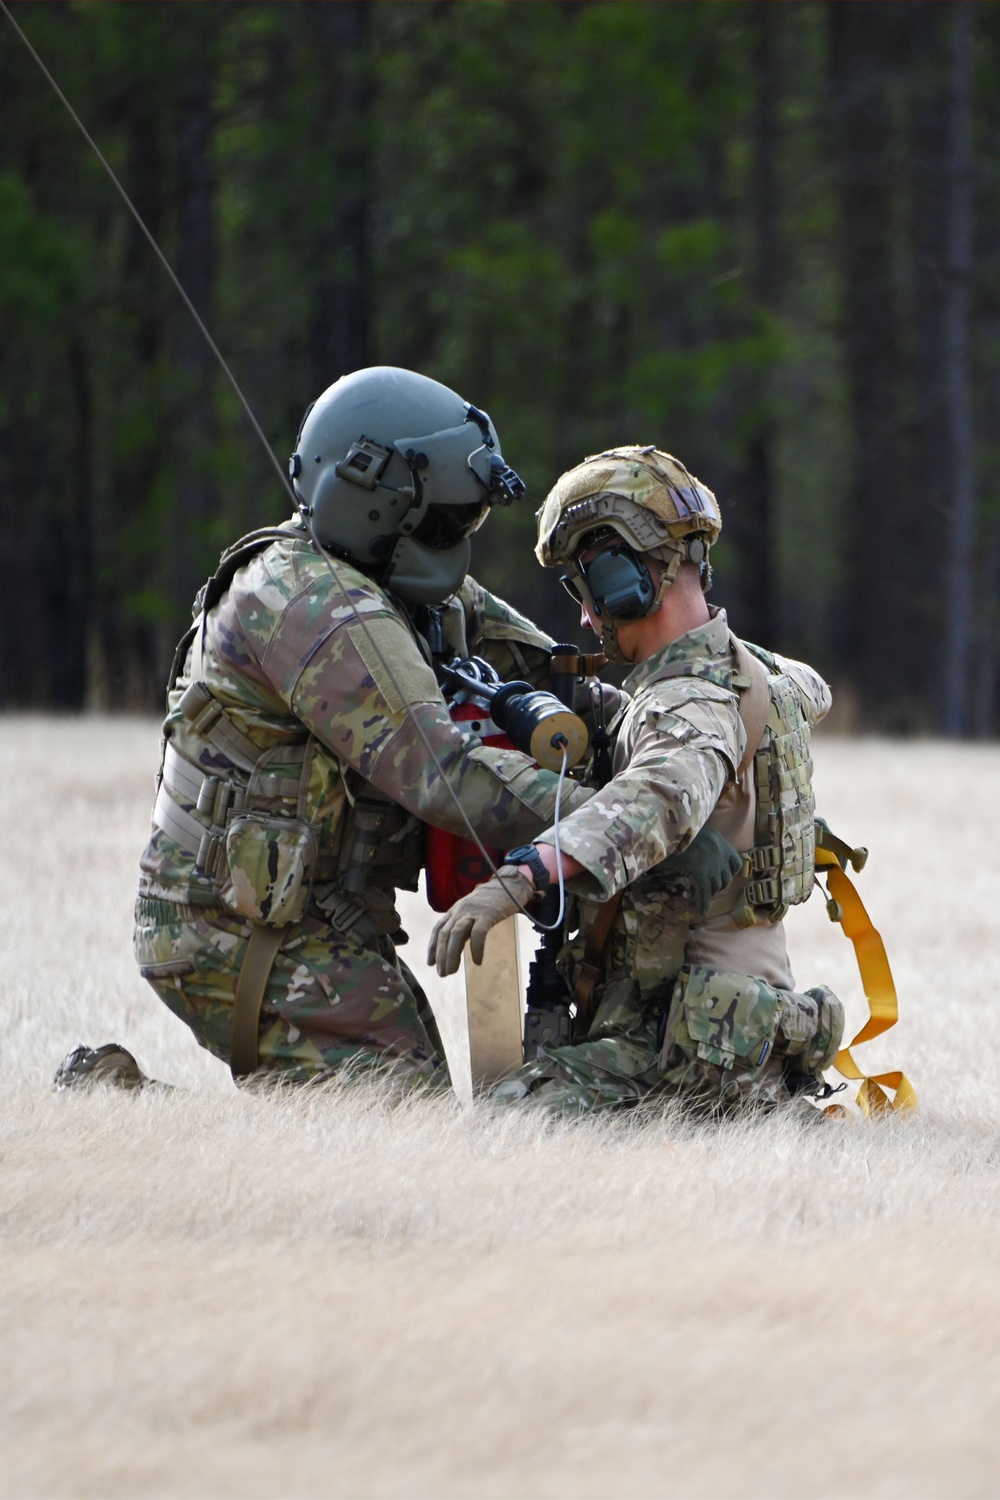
536 721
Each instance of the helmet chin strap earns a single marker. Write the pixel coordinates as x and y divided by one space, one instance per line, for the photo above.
609 641
671 559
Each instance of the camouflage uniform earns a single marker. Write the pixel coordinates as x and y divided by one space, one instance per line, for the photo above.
678 1010
325 818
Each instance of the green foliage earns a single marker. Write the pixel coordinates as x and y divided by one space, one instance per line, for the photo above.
553 207
41 266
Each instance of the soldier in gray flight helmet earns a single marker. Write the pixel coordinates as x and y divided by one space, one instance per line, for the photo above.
397 472
308 742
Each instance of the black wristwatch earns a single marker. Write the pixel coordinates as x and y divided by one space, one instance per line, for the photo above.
527 854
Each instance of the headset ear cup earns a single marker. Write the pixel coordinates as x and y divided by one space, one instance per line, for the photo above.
621 583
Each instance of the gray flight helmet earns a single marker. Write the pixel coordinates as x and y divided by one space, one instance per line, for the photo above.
395 471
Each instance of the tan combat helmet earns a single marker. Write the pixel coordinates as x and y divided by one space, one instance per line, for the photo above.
648 500
648 497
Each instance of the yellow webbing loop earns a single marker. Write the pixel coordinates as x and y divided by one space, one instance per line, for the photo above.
879 988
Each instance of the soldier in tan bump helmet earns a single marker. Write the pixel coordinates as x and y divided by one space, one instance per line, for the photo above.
715 737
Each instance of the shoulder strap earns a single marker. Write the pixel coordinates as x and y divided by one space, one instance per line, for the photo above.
235 557
213 589
755 699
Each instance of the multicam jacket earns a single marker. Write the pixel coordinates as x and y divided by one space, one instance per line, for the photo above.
324 677
678 747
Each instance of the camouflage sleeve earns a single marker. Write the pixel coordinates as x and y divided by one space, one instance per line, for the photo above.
351 671
507 639
683 750
814 693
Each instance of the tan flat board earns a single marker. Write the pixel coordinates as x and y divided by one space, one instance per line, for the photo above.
493 1001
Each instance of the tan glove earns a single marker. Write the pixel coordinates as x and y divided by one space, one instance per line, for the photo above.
471 918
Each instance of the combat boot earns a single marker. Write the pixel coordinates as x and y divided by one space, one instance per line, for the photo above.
111 1064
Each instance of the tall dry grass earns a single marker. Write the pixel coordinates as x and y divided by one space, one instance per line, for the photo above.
211 1293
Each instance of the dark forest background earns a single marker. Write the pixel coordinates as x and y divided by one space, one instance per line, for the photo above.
765 236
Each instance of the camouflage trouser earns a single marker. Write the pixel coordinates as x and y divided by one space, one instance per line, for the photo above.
616 1065
331 1002
723 1042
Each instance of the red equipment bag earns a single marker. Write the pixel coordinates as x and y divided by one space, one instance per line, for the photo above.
455 865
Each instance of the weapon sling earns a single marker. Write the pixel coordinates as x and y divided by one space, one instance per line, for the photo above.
592 967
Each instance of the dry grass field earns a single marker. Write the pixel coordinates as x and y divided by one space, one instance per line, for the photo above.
211 1293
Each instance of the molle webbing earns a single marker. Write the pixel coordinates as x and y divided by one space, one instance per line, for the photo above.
209 719
211 592
216 796
784 840
216 799
204 838
779 868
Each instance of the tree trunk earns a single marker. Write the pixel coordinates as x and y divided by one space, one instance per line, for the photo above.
985 676
750 521
888 671
129 667
959 573
194 425
340 324
926 476
72 577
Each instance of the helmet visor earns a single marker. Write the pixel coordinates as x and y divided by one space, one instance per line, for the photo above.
445 526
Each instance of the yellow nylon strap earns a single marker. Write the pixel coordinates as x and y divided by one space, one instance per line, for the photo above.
880 990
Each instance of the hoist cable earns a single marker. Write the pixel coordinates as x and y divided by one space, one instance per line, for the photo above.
155 249
286 485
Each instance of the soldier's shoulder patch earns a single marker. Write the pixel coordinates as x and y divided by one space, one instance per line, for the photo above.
401 676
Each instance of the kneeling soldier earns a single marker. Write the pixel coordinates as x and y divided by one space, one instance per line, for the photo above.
716 738
307 742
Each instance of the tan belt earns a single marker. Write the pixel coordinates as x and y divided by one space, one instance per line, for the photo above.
258 962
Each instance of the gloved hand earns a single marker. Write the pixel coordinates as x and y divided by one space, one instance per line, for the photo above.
471 918
704 869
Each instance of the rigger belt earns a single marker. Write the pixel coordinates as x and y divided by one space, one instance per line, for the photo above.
205 840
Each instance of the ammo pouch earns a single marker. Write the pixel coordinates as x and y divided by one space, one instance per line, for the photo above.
261 859
267 871
717 1017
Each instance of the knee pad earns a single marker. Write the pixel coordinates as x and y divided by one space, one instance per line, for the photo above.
829 1029
810 1028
